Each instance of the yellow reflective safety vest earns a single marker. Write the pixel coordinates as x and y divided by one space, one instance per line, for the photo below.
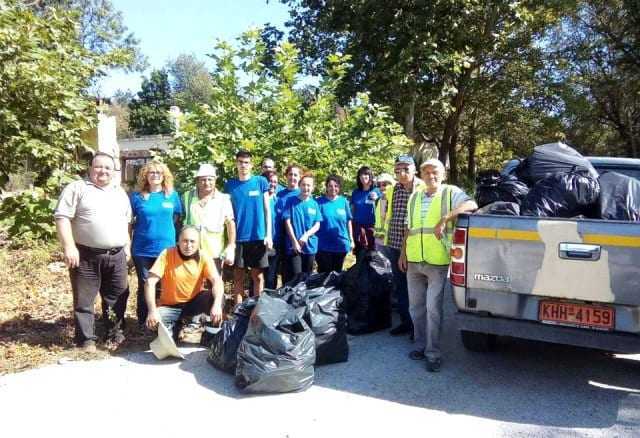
379 230
422 245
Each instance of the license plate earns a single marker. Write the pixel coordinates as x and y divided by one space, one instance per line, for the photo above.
580 315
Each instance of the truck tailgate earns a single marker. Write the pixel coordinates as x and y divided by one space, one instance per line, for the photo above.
589 260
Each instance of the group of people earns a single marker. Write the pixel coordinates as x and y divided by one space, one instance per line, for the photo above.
257 225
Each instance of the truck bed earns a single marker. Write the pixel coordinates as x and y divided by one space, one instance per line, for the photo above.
515 263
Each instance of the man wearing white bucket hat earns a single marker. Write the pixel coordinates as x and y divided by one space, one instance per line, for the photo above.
210 210
182 272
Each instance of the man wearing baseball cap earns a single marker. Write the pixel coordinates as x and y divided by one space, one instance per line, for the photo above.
397 196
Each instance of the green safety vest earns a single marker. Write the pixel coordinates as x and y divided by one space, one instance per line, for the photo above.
422 245
187 201
380 230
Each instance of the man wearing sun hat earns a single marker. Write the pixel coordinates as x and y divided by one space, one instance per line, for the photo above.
397 196
210 210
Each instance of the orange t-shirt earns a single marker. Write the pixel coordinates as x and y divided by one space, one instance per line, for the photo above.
181 279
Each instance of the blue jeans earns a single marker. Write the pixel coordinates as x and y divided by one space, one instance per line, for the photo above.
400 286
142 264
173 317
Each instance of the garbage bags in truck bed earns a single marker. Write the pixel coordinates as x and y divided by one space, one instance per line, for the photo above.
562 195
491 186
552 159
619 197
500 208
278 351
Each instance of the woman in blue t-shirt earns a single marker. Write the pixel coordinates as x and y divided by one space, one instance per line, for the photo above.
335 236
155 207
363 205
302 221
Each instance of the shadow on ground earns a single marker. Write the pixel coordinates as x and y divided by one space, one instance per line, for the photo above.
523 382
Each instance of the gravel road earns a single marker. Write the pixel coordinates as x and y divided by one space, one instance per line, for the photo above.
522 389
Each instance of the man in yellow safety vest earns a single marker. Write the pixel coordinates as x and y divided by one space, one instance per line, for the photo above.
431 213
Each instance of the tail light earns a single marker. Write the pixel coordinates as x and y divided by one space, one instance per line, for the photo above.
458 257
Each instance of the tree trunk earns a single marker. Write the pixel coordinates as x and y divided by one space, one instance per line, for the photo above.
409 118
471 153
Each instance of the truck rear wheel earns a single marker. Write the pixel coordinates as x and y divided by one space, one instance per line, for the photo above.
475 341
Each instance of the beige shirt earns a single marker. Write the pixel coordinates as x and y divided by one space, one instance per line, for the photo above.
99 215
211 215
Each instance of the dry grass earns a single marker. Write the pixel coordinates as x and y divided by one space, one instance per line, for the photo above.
36 318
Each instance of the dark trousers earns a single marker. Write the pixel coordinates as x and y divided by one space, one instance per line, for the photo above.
330 261
106 274
143 264
400 286
271 273
297 264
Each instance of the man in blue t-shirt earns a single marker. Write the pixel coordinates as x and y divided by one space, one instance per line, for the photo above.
250 200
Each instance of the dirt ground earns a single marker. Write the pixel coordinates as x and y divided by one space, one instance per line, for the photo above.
36 319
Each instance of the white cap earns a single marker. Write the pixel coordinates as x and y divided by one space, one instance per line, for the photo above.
206 169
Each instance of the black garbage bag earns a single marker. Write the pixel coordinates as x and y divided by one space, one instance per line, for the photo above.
551 159
223 347
500 208
278 351
619 197
367 288
320 296
492 186
562 195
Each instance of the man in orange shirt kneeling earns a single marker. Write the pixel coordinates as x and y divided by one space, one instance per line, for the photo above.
182 271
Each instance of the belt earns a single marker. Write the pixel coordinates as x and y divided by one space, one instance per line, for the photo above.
109 251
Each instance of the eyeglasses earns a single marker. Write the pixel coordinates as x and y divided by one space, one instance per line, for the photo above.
203 180
401 170
155 172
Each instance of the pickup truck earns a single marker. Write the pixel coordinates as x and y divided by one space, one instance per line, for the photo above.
566 281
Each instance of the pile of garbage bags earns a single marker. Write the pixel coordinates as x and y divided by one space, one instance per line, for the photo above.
367 288
272 343
556 181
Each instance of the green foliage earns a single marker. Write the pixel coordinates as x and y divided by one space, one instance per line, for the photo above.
190 81
149 112
44 110
270 116
101 31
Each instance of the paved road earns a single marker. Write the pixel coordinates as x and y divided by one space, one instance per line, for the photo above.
523 389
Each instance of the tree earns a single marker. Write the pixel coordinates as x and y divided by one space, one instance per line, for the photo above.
190 81
597 54
43 110
269 116
149 112
424 59
101 31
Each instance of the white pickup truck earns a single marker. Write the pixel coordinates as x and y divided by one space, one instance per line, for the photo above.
567 281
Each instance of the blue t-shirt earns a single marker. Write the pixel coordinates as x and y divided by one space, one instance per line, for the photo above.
154 229
303 215
364 207
247 198
333 235
281 202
